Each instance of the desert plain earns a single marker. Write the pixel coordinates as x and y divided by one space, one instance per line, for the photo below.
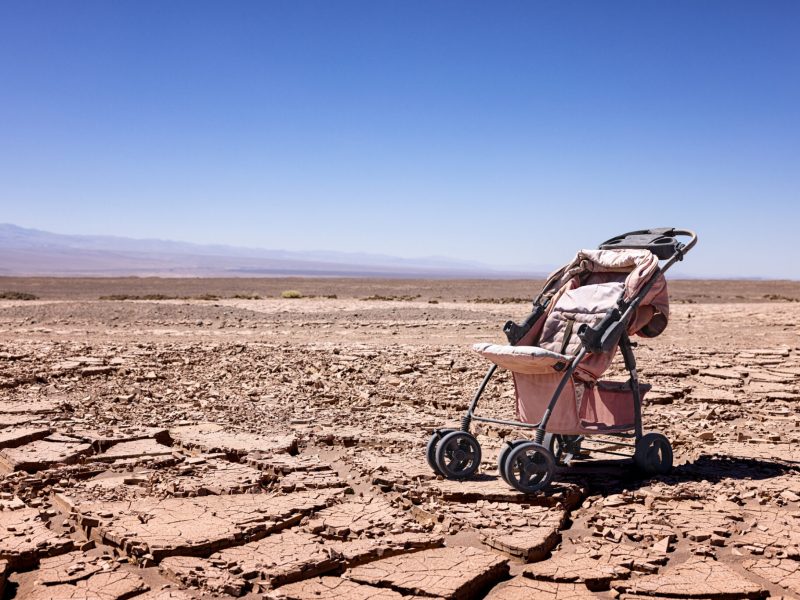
201 438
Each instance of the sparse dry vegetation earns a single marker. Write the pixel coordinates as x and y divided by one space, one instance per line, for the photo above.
511 300
141 297
17 296
119 297
780 298
406 298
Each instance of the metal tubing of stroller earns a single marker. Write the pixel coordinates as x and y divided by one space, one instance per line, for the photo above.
506 422
630 363
540 431
609 443
688 233
681 249
611 452
466 421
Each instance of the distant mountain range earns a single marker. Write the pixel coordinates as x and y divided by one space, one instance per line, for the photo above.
34 252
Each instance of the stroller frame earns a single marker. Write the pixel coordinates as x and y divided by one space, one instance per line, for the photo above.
603 336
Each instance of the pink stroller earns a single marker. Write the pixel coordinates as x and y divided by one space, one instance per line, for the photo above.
585 311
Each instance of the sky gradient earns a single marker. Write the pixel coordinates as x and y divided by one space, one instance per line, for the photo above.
512 133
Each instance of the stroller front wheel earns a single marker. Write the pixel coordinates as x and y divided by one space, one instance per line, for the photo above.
529 467
458 455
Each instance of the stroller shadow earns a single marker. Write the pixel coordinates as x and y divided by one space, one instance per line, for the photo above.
615 476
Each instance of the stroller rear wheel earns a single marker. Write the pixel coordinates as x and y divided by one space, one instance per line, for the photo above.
458 455
563 447
501 458
653 454
430 451
529 467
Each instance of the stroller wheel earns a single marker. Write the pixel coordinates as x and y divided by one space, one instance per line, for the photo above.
458 455
563 447
430 451
653 454
501 458
529 467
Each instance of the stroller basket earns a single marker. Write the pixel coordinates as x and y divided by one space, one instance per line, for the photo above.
586 311
608 407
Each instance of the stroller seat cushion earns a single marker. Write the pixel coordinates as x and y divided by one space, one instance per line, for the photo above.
522 359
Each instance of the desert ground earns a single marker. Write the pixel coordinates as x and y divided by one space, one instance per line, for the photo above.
200 438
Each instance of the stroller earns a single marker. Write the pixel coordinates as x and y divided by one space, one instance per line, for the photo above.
586 310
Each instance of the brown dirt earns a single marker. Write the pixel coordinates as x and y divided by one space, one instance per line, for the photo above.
275 447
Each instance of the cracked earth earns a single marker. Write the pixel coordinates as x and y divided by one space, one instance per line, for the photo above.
274 448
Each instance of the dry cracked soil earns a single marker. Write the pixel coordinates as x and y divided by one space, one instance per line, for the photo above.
182 448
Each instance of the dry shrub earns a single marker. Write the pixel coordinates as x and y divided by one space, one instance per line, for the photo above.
18 296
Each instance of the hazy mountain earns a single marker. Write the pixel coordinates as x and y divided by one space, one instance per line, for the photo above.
34 252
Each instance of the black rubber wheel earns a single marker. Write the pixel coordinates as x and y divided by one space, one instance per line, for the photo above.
501 458
653 454
529 467
458 455
563 447
430 451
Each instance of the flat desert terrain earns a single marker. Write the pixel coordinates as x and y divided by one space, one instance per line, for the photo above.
206 438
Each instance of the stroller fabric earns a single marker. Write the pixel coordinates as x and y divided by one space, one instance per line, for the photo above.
587 304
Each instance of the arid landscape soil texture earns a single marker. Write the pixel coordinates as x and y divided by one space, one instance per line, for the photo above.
193 438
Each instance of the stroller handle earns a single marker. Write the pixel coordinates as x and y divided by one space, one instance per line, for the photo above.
660 242
686 233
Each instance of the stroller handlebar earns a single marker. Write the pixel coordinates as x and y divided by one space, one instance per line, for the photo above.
686 233
662 241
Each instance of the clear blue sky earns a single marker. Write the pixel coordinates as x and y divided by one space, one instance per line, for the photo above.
507 132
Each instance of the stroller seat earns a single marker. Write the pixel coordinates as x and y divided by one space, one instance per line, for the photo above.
558 341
